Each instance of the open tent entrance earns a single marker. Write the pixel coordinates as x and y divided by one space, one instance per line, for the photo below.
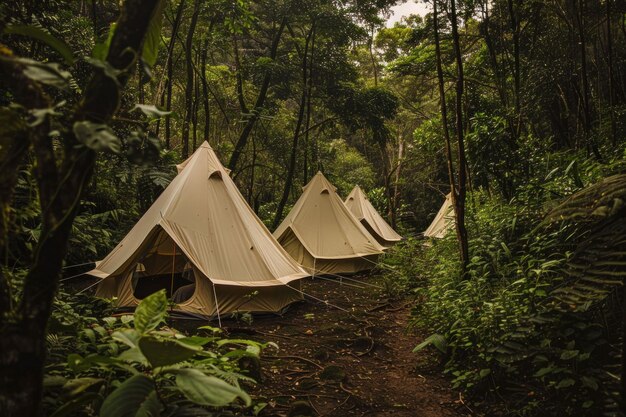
163 266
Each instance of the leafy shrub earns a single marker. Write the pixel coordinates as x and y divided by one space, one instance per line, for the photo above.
134 364
501 330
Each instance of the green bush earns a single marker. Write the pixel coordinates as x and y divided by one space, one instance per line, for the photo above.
501 333
136 365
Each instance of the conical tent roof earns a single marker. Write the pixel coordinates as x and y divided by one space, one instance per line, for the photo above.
203 216
443 221
324 226
358 203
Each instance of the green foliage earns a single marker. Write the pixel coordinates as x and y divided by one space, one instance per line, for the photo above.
41 35
504 329
152 40
134 366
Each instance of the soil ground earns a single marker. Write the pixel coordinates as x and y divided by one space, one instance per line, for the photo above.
356 362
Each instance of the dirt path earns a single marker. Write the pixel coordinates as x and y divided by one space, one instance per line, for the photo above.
354 363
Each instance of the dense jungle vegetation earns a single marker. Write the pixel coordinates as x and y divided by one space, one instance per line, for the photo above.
518 108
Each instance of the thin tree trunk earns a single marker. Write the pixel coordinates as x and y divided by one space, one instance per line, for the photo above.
459 198
296 134
94 19
586 106
493 59
189 87
196 105
609 46
396 193
205 91
170 71
443 106
515 29
372 58
258 105
307 128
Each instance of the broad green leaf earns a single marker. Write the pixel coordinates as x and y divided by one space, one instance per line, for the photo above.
208 390
76 386
49 74
163 352
544 371
101 50
569 354
129 337
45 37
151 311
76 362
133 355
97 136
106 68
134 398
436 340
152 39
210 328
568 382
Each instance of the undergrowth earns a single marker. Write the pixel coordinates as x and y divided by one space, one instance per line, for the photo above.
529 330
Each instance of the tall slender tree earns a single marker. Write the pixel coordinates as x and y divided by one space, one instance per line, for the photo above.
189 89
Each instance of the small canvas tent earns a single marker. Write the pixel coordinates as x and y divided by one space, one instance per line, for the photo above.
323 236
364 211
202 243
443 221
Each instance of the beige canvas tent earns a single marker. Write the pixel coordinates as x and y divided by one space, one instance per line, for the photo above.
443 221
359 205
202 243
323 236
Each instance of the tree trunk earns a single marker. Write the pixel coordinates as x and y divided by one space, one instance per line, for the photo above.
443 106
296 134
22 346
170 70
459 196
609 46
586 106
205 91
515 29
189 87
307 127
258 105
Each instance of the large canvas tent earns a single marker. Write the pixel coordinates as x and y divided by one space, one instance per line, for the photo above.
201 242
323 236
359 205
443 221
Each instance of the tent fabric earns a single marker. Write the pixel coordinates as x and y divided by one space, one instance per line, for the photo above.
323 236
443 221
360 206
202 220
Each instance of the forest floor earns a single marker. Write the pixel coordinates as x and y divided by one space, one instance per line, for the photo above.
348 363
